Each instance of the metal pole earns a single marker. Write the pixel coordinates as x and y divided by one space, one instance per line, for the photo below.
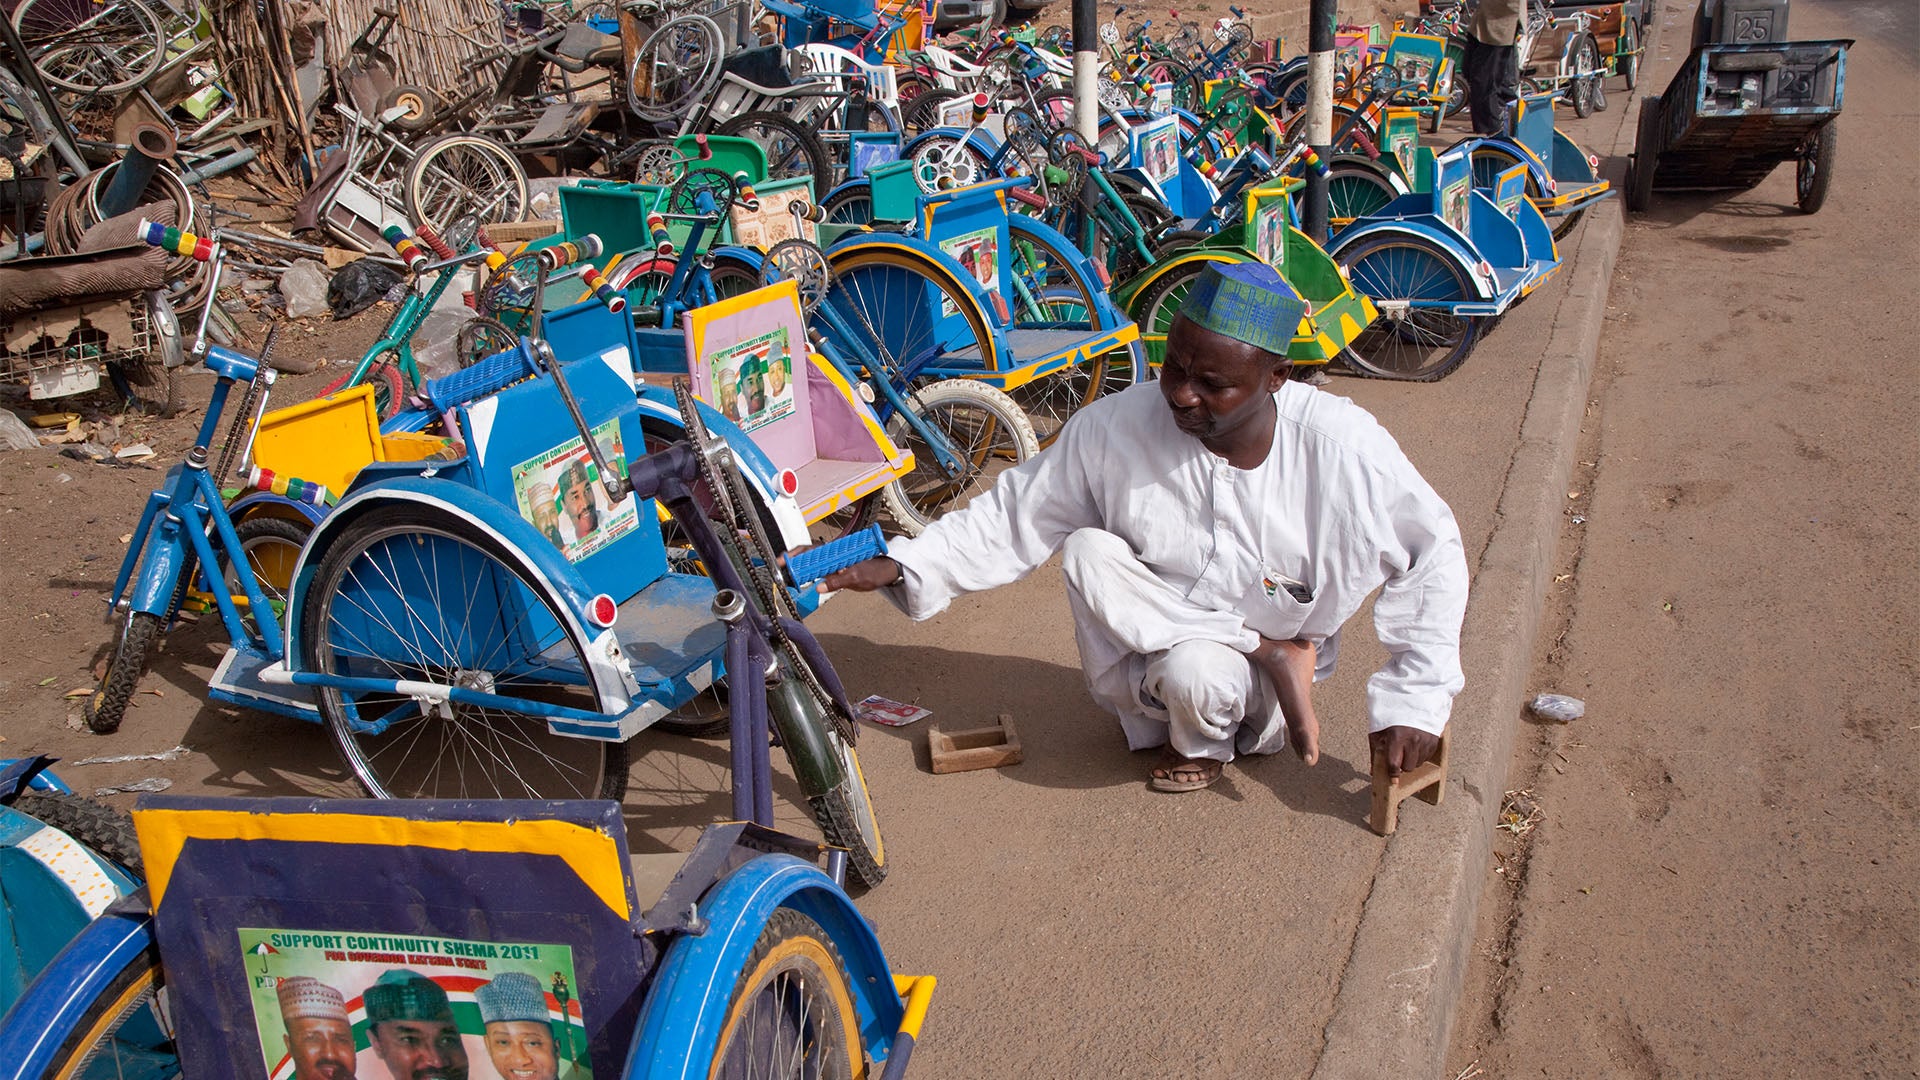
1321 18
1086 69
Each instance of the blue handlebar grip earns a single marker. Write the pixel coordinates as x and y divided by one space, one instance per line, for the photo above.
815 563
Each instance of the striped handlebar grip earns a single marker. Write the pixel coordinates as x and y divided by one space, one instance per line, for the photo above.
168 238
410 253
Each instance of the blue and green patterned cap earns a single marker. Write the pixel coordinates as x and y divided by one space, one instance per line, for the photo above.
406 995
512 995
1247 302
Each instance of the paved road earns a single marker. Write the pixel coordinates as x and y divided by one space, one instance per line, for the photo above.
1722 882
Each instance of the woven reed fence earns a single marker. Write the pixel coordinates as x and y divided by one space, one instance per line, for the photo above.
433 42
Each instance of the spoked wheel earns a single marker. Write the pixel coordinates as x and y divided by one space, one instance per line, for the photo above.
127 1030
389 387
1566 223
804 263
851 205
1412 340
91 47
1629 65
988 433
272 547
675 68
1049 292
411 596
1158 303
792 1013
792 150
465 174
1355 191
924 111
901 310
1814 171
1584 88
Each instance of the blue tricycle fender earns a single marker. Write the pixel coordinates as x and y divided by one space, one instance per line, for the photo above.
32 1032
256 501
1105 315
680 1027
501 523
29 774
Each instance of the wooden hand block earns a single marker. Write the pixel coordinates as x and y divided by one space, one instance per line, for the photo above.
1428 781
974 748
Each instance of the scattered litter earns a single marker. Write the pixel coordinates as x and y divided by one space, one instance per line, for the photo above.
48 681
151 783
1519 814
88 451
1579 519
1573 494
1588 891
889 712
174 754
15 435
355 288
63 478
135 452
81 692
305 287
53 419
1557 707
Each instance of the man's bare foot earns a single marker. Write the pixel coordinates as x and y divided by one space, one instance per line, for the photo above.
1173 772
1289 667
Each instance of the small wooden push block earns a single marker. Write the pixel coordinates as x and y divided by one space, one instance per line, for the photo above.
1428 781
974 748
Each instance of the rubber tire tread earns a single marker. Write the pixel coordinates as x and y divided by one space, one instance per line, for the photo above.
107 707
810 145
108 830
1815 196
1356 364
838 819
1004 408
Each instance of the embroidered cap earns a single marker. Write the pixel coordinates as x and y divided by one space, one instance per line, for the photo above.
303 997
1247 302
512 995
406 995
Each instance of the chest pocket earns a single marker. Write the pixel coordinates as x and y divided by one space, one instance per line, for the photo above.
1270 607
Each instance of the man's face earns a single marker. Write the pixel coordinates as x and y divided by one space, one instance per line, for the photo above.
522 1050
577 499
420 1049
1214 384
321 1048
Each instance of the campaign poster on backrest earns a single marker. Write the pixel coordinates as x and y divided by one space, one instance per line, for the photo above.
560 492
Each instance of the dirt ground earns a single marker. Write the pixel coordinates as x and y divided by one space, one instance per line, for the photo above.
1718 877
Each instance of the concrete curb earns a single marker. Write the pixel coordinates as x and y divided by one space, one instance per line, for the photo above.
1395 1005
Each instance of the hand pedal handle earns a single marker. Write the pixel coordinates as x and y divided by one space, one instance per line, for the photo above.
815 563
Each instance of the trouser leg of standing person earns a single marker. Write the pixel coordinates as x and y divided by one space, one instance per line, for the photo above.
1160 663
1509 92
1483 70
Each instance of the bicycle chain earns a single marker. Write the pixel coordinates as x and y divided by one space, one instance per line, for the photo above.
249 401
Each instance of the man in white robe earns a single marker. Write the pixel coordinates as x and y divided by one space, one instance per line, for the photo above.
1218 528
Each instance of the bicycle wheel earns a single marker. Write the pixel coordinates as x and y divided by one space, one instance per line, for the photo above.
1628 66
480 338
406 594
988 433
272 547
844 811
132 648
792 1013
1050 292
465 174
1584 87
924 111
851 205
91 47
792 150
127 1030
675 68
1410 343
902 311
1355 190
105 829
1813 172
1158 303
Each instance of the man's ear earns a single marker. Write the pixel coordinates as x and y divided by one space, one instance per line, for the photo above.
1279 375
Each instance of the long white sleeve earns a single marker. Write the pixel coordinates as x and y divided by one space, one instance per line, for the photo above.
1419 611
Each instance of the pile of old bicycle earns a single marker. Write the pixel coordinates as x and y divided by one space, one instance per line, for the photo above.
818 278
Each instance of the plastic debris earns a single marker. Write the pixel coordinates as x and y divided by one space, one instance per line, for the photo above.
151 783
891 713
1557 707
135 452
305 287
15 435
357 287
174 754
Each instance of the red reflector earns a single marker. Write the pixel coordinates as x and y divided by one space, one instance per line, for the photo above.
602 611
789 481
1000 307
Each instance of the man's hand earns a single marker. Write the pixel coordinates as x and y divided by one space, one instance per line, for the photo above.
1406 748
875 573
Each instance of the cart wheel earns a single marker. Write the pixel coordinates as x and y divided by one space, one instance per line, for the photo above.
1156 305
132 647
418 103
1646 156
1414 344
1583 88
126 1030
988 432
792 1011
1050 291
465 174
406 594
850 205
1628 66
1815 169
900 308
924 111
1356 189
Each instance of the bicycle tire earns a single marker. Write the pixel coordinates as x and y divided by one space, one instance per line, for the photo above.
126 663
126 1027
273 572
1583 86
792 150
76 44
480 338
1813 171
1566 223
851 205
663 88
1629 43
924 112
1355 190
389 387
458 560
1646 156
1427 344
107 830
872 290
442 182
791 1011
999 433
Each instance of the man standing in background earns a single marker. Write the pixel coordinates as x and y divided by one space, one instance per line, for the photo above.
1493 64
